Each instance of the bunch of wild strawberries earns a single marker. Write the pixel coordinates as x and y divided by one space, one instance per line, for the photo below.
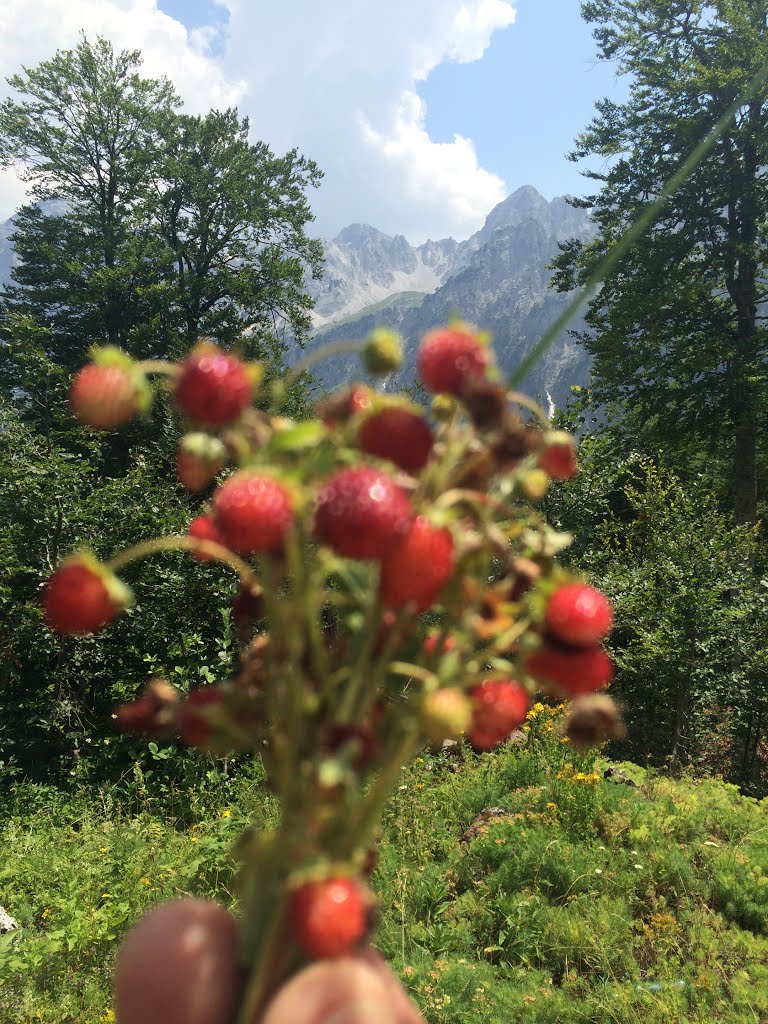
397 588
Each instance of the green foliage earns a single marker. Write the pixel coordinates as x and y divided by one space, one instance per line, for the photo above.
159 227
582 900
690 605
675 332
59 692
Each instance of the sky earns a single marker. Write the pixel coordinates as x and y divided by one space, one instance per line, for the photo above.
422 114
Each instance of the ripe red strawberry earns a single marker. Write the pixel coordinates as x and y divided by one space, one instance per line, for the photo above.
362 513
82 596
104 396
574 670
558 456
399 435
329 917
204 528
418 568
198 459
252 512
213 387
578 614
499 707
194 719
448 357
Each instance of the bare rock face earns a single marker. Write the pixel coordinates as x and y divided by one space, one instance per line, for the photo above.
498 280
7 923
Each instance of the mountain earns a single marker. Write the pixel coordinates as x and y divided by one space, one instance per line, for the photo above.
363 266
497 280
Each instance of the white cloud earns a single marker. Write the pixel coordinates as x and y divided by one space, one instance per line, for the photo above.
444 178
337 80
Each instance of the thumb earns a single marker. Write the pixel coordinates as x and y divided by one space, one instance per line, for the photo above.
339 991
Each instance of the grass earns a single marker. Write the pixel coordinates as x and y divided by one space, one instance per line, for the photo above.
582 900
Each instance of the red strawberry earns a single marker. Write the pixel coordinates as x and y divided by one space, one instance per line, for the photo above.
248 606
574 670
399 435
558 456
82 596
500 706
329 918
204 528
198 459
362 513
252 512
193 717
448 357
578 614
418 568
104 396
213 387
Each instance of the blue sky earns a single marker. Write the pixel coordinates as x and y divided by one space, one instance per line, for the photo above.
423 114
529 96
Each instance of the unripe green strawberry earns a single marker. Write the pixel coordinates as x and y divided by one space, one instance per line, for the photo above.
383 351
329 917
445 714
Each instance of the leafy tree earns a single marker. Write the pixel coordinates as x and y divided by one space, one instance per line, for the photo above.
689 638
86 134
155 226
677 331
232 216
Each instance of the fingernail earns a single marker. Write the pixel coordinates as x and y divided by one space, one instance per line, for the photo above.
363 1011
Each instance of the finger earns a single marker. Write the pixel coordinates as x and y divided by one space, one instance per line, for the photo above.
178 966
405 1011
345 990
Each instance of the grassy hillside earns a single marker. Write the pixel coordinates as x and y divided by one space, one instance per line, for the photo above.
579 899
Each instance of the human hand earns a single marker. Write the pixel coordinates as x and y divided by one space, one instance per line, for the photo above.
178 965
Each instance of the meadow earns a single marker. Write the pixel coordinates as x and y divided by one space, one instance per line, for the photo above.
521 884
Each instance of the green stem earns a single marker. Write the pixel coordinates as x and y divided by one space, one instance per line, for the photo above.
174 543
333 348
361 829
633 233
159 366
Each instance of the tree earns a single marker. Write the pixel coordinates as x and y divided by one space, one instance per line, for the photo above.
232 216
689 639
87 134
677 330
155 226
